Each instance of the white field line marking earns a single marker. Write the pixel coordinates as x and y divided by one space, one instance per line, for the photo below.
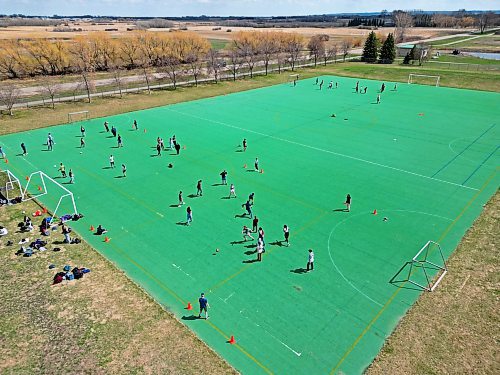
159 214
298 354
323 150
180 269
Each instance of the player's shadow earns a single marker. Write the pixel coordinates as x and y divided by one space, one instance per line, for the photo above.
174 205
250 252
226 197
121 176
242 216
110 136
44 150
184 223
250 261
276 243
237 242
299 270
190 317
154 155
115 147
193 196
20 154
251 170
239 151
218 184
340 210
108 167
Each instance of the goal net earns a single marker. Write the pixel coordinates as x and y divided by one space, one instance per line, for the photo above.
292 78
78 116
427 267
56 196
10 186
423 79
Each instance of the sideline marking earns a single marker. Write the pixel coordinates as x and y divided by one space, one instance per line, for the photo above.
389 301
323 150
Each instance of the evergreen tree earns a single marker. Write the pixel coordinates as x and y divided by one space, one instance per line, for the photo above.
406 60
370 50
388 50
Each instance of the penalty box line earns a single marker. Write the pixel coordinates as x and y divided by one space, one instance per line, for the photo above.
324 150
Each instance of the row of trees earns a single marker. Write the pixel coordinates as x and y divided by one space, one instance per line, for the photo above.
377 51
166 52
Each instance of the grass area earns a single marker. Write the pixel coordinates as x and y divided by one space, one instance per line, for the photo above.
488 43
30 119
453 330
464 59
438 43
218 44
102 322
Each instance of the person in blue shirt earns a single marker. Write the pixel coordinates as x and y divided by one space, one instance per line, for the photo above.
248 207
203 305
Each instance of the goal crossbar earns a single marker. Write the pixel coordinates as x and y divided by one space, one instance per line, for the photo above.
420 260
43 178
84 114
412 75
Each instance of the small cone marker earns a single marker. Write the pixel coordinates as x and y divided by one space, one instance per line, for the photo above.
27 178
244 165
189 307
39 188
44 210
232 340
375 212
91 228
106 239
7 161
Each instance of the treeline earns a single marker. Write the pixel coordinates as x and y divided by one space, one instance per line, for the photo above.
170 53
358 21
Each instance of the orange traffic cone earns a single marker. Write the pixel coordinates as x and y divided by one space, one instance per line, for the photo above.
39 188
27 178
6 161
375 212
232 340
106 239
44 210
244 165
189 307
91 228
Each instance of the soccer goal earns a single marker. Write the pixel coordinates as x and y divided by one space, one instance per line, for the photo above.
10 186
39 184
292 78
430 263
78 116
423 79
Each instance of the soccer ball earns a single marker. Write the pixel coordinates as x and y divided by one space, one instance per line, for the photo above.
216 250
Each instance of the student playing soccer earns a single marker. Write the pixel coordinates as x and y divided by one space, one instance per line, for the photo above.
286 233
248 207
135 125
124 170
106 126
199 189
120 143
158 149
189 214
357 87
2 152
82 130
113 131
330 85
203 306
232 191
247 233
71 176
378 99
111 161
181 201
321 85
62 169
82 142
256 164
255 223
23 147
244 144
223 175
348 202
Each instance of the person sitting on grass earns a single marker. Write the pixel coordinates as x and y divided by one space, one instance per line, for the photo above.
100 230
3 231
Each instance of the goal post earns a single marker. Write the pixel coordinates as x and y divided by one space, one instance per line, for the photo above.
292 78
61 197
430 262
423 79
10 186
78 116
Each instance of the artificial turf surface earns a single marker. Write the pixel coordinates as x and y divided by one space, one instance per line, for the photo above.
425 158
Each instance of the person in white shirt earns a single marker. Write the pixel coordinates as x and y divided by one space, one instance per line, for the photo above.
310 261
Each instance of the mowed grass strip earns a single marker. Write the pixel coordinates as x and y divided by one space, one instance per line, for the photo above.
453 330
102 324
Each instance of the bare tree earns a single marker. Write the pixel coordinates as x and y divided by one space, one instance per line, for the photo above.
329 53
483 20
346 47
247 45
117 77
51 88
88 83
235 62
268 45
293 46
172 64
9 94
214 63
316 46
403 21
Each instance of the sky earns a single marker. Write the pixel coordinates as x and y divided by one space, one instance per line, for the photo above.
175 8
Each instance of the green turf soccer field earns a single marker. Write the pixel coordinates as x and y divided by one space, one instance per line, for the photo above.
425 158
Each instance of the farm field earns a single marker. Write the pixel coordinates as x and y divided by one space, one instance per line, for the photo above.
427 178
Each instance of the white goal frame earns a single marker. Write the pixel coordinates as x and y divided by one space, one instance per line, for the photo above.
84 114
411 75
292 77
9 185
44 191
420 260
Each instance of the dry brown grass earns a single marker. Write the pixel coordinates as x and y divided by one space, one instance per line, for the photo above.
454 330
101 324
